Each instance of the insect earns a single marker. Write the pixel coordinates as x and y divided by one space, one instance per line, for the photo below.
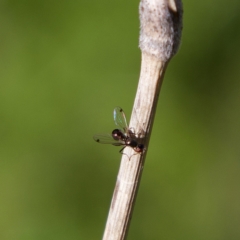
123 136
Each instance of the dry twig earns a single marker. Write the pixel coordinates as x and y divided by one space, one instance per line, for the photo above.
161 25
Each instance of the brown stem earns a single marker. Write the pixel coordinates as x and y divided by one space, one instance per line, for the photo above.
161 24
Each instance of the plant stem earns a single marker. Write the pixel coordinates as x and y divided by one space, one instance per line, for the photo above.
161 24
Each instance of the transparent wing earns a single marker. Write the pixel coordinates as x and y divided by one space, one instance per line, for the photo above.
107 139
120 119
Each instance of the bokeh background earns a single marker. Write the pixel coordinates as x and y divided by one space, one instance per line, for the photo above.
64 66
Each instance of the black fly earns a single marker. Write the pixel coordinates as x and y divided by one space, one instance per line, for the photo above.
123 136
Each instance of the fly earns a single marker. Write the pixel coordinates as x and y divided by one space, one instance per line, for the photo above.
122 136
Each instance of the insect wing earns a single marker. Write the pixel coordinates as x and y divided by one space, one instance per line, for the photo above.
120 119
107 139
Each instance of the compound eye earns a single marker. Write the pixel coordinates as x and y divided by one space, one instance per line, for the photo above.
139 148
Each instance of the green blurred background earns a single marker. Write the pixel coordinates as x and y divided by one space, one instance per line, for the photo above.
64 66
